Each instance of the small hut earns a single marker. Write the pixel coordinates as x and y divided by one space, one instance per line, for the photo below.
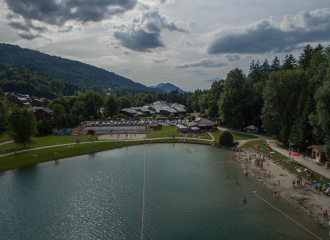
252 129
318 153
155 127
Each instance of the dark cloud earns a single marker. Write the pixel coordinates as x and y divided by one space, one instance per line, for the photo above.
144 34
29 36
139 40
18 26
161 21
232 58
163 1
161 61
207 63
266 36
55 12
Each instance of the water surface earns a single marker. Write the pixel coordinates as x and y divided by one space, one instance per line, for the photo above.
187 196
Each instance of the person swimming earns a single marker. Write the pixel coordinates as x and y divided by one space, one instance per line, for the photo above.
236 181
228 175
244 198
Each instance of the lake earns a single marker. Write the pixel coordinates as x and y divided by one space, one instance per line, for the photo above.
187 196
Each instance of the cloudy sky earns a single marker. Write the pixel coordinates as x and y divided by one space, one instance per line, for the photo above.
189 43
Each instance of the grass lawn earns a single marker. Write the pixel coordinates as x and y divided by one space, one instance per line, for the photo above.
236 135
44 141
4 137
291 167
26 158
282 145
169 131
275 156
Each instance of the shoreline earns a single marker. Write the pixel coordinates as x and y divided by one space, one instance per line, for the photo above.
45 154
310 200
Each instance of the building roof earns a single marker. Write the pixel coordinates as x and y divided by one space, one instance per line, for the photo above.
318 148
205 121
47 110
190 124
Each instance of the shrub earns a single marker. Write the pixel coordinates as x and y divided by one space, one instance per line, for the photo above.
226 139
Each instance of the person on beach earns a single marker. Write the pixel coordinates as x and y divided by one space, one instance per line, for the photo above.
261 165
317 221
293 182
278 181
263 187
228 175
269 175
244 198
298 181
236 181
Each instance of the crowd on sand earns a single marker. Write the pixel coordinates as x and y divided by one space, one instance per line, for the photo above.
308 197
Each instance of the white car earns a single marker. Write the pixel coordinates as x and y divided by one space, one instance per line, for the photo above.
115 123
111 121
108 123
103 123
119 123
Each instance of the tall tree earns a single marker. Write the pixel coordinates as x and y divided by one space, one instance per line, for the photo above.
276 64
289 63
22 125
233 101
111 106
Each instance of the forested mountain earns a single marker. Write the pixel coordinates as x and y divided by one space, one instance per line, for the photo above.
84 75
168 87
30 81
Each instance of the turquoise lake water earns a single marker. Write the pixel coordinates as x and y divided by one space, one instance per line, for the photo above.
187 196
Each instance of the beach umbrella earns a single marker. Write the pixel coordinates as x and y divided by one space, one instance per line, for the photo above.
318 184
295 154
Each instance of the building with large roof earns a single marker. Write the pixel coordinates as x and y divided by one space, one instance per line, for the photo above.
159 107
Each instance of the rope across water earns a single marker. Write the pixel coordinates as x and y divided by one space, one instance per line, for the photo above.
288 217
144 185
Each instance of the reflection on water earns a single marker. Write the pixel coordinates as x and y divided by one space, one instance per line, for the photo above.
187 196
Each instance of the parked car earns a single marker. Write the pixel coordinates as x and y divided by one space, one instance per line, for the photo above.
115 123
103 123
93 123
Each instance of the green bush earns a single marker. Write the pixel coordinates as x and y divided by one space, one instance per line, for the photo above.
226 139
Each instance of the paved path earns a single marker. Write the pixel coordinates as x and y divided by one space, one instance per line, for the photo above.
307 162
211 136
6 142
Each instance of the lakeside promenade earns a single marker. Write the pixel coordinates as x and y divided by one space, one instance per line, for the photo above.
307 162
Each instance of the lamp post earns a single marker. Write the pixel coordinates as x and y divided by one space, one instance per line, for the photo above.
306 147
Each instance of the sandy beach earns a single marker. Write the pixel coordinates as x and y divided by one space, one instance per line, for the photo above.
310 199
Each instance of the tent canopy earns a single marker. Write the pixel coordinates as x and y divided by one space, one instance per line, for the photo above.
180 126
195 128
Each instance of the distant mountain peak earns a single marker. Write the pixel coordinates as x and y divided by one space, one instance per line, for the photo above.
168 87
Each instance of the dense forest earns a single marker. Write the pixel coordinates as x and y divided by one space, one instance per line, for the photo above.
29 81
84 75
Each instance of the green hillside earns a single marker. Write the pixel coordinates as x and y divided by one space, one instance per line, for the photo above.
84 75
30 81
